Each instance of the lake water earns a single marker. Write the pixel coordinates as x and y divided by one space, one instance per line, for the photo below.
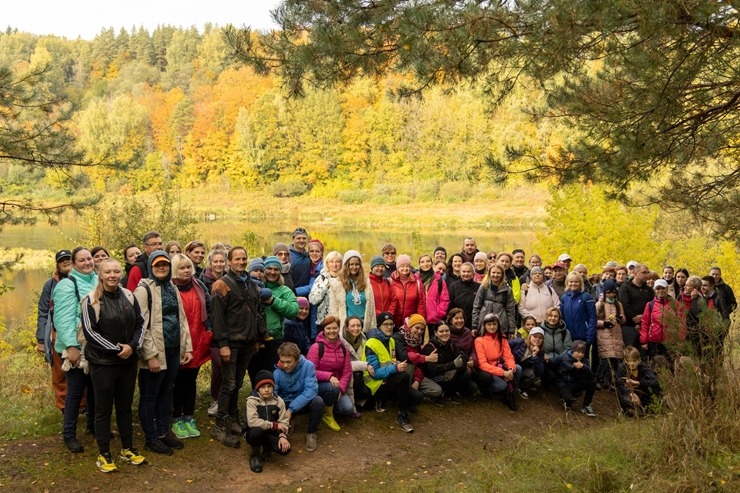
15 306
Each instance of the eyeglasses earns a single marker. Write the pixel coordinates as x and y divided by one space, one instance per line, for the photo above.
491 258
389 253
388 323
282 254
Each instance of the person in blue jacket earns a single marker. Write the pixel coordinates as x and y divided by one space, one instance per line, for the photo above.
300 262
296 384
579 312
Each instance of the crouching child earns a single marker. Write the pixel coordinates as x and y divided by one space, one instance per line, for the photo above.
637 384
267 422
574 377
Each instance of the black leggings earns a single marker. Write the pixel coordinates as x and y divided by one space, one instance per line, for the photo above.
113 384
184 392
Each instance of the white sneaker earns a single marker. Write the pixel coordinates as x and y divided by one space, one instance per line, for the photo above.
213 408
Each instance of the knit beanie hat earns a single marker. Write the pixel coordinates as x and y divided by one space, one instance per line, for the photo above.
382 317
303 302
255 264
273 261
403 260
609 285
415 319
350 254
480 256
535 270
280 247
440 249
263 377
377 260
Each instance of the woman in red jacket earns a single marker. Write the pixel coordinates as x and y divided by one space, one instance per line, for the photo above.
196 305
497 370
407 292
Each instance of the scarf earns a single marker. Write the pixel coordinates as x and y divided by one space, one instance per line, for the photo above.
409 338
426 277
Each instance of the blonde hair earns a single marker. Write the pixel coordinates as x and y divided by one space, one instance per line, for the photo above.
488 275
344 277
554 309
575 276
180 259
631 354
99 290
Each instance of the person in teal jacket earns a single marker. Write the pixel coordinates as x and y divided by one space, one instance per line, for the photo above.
67 296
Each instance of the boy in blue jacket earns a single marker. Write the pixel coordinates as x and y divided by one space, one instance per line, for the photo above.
296 384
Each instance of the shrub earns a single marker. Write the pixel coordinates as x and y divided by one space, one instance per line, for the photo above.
290 187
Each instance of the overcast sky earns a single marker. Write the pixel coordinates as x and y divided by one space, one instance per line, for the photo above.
85 18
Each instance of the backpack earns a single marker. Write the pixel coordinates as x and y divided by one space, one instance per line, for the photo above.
322 348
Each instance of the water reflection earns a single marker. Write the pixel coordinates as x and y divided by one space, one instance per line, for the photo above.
258 237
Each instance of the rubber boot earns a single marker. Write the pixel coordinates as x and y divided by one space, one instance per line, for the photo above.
220 432
255 463
328 418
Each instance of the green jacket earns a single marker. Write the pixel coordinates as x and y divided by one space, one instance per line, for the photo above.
284 305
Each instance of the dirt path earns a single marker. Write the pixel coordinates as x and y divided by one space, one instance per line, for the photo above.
369 449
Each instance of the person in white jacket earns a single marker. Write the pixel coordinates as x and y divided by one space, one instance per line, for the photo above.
537 297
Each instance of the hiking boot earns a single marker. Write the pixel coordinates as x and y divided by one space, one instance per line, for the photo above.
213 409
403 421
588 411
328 419
220 432
131 456
193 431
255 464
158 447
173 442
522 393
105 463
310 442
178 428
235 425
74 445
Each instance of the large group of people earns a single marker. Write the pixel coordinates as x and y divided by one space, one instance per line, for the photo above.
315 334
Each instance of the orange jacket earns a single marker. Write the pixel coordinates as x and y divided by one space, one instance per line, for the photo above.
490 348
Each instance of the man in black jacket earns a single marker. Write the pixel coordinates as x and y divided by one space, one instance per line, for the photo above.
236 331
724 291
634 295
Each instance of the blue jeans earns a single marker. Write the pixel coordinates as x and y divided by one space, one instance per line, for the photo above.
493 384
155 396
77 383
333 397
